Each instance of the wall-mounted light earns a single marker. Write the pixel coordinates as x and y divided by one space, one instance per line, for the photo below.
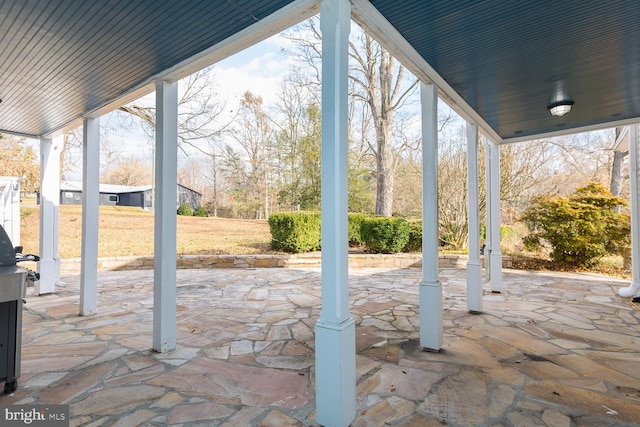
560 108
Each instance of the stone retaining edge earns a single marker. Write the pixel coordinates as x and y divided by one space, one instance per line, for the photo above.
72 265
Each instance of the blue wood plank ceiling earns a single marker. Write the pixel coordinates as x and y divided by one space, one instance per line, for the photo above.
506 58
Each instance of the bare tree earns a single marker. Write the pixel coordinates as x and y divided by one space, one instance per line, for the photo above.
201 112
380 84
296 121
249 166
17 158
129 171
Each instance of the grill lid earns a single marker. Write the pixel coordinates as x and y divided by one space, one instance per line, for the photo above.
7 251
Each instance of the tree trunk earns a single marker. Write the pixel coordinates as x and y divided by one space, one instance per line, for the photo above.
384 187
615 185
616 173
383 118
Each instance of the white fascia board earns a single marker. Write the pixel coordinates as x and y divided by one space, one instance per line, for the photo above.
278 21
19 134
622 142
571 131
376 25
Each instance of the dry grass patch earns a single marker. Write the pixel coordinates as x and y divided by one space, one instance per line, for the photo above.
127 231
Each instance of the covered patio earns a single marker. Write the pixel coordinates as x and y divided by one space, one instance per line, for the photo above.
552 349
503 66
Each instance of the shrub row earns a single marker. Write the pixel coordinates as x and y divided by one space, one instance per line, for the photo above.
186 210
295 231
300 232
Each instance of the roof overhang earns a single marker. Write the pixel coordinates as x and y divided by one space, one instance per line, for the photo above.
499 64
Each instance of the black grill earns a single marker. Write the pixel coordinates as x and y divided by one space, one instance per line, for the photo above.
13 280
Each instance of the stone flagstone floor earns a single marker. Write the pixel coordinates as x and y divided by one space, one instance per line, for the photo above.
556 350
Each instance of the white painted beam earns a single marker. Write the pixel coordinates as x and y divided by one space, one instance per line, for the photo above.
90 212
474 269
49 264
634 183
495 254
430 292
166 169
375 24
335 352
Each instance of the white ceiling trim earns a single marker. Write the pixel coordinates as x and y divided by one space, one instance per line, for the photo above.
590 128
370 19
273 24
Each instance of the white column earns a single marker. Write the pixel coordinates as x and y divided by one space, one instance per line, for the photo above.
431 325
487 185
90 203
634 183
166 153
335 329
474 269
14 232
494 201
49 264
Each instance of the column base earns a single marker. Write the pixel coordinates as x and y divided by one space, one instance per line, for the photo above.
496 272
630 290
335 373
431 325
474 287
49 271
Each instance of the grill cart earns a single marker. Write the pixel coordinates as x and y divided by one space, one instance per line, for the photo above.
13 280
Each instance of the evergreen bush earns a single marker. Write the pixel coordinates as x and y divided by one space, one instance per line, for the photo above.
200 211
295 231
580 228
185 209
385 235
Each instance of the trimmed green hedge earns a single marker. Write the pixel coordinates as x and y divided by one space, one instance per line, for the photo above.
385 235
299 232
355 221
295 231
415 237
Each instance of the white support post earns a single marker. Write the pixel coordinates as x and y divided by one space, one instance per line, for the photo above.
90 212
15 212
487 185
335 329
474 269
10 207
495 254
634 183
431 325
49 264
166 169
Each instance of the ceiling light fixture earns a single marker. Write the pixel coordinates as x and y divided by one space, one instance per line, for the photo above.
560 108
